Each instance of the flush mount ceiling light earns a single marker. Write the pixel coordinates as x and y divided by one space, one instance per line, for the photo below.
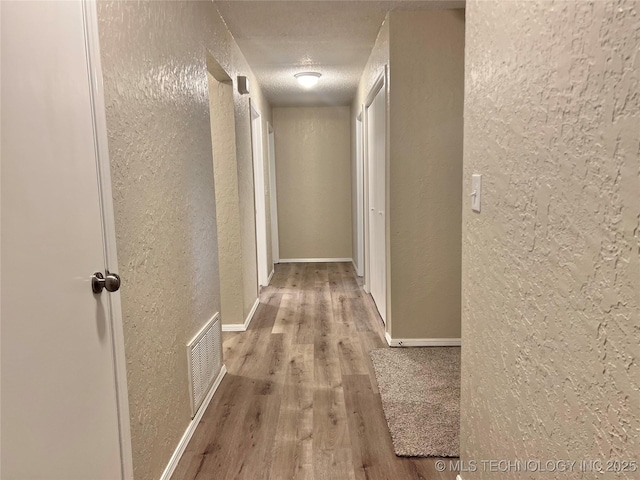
308 79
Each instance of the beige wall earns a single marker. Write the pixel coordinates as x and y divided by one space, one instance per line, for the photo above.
354 190
424 52
551 266
227 53
425 172
155 79
225 173
267 189
313 181
375 66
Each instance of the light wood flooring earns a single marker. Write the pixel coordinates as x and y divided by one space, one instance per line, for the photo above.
300 399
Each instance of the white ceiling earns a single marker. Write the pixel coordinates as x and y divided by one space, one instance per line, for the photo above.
333 37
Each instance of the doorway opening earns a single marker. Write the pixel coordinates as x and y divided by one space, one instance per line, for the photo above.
225 174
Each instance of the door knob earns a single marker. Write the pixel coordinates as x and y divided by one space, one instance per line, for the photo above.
111 282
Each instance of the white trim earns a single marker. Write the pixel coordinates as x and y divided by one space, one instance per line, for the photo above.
355 267
270 277
251 313
359 192
191 428
234 327
381 303
422 342
365 199
99 113
315 260
377 86
257 147
242 327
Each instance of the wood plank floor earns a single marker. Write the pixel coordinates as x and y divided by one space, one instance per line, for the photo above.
300 399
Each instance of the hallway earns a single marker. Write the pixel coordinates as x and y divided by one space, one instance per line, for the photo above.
300 397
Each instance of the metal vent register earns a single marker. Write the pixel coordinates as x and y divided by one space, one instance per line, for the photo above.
205 361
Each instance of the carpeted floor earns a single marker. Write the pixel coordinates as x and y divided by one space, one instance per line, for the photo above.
420 390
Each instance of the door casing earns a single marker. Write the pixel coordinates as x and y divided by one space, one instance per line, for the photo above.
259 196
375 217
359 192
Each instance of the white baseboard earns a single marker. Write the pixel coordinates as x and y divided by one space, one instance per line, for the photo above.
184 441
247 321
315 260
422 342
234 327
242 327
355 267
270 277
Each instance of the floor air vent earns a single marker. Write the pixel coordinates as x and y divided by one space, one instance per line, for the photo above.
205 361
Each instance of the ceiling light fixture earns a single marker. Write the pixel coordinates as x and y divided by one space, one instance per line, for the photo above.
308 79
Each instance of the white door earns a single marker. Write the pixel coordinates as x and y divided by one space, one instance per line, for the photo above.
259 195
60 409
359 199
376 153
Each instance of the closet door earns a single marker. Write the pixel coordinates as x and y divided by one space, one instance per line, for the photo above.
376 156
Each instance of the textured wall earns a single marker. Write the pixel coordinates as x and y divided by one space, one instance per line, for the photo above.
375 66
425 172
551 267
225 172
267 199
155 80
313 181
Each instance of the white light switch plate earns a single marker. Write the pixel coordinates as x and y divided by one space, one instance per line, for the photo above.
476 191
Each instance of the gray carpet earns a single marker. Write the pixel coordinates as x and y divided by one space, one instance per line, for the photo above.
420 390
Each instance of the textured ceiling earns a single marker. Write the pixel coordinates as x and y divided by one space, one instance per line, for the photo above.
335 38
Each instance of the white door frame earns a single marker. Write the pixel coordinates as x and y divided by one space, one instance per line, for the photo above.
359 195
99 115
379 85
259 195
275 247
365 194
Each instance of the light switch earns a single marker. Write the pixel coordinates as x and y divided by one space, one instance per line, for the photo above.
476 191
